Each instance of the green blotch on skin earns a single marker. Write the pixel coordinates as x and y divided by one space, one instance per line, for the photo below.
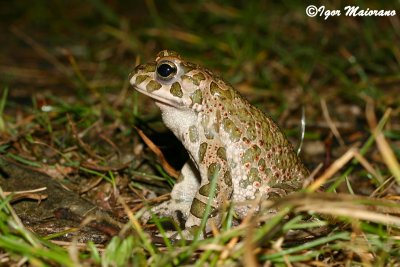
197 209
244 115
251 154
251 133
197 97
140 79
202 151
233 131
205 190
228 178
253 175
146 68
150 67
176 90
193 134
153 86
215 89
213 171
199 77
186 78
270 175
218 118
221 153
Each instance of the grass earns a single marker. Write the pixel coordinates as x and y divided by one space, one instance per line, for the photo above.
66 108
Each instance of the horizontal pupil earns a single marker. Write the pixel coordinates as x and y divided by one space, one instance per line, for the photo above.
165 70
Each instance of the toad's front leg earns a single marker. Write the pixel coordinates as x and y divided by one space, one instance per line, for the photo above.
182 195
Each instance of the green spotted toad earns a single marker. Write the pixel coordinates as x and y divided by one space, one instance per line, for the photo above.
226 137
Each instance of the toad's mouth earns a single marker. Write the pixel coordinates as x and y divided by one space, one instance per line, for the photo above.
159 99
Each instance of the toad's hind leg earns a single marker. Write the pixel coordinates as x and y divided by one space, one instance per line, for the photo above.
215 171
182 195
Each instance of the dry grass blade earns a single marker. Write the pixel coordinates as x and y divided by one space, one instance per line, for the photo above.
27 194
227 249
351 211
383 146
364 162
335 166
331 124
351 206
38 197
26 191
249 258
168 168
137 226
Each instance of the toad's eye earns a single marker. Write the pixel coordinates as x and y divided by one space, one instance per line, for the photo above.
166 70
